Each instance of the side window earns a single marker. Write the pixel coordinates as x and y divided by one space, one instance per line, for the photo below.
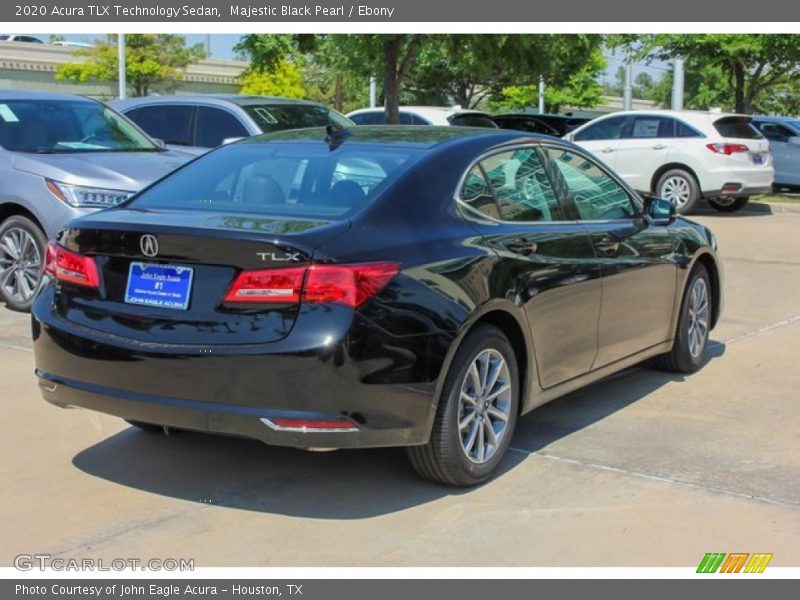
406 118
362 118
652 127
169 123
774 132
417 120
477 194
214 125
607 129
597 197
522 187
682 130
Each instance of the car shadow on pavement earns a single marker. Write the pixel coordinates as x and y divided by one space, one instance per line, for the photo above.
752 209
347 484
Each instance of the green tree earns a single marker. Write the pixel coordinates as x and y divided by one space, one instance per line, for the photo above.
284 80
580 90
643 85
752 65
150 60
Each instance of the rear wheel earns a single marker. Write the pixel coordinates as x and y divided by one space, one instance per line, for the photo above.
679 187
694 323
22 248
476 415
725 204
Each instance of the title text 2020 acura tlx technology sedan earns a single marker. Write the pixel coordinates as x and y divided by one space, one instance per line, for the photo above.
373 286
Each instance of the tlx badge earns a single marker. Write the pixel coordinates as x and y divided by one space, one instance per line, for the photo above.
284 257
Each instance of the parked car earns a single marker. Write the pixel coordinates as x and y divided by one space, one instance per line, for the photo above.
425 115
558 125
783 134
683 156
263 291
68 44
197 123
20 38
62 156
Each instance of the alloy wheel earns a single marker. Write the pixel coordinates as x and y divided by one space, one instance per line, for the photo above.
484 406
699 311
20 264
677 190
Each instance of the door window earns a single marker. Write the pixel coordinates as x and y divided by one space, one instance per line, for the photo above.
170 123
215 125
774 132
521 186
595 194
477 194
606 129
652 127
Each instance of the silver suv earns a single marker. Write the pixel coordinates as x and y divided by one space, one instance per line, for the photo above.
62 156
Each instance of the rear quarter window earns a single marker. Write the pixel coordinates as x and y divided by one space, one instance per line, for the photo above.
737 127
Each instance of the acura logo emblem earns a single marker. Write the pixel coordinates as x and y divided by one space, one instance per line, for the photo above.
149 245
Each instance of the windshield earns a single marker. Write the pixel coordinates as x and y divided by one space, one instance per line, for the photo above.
63 126
3 38
284 179
471 120
276 117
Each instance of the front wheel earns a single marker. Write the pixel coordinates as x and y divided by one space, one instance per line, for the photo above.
690 347
476 415
22 248
726 204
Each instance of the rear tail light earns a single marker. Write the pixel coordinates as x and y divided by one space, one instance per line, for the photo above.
727 149
71 267
351 285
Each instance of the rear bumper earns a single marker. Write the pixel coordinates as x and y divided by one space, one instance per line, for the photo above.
384 385
749 181
741 192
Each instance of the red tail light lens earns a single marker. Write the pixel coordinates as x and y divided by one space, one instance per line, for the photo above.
270 285
727 149
313 424
351 285
71 267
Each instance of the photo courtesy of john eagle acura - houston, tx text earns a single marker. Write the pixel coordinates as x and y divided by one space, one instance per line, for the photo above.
364 286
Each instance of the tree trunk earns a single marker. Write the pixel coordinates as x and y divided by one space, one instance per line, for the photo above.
391 83
338 100
738 79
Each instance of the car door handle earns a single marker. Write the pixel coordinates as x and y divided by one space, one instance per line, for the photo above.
607 247
522 246
607 149
659 146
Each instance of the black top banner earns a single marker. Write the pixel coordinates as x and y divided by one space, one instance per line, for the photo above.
400 11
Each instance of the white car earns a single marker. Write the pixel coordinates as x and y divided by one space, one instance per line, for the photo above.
683 156
425 115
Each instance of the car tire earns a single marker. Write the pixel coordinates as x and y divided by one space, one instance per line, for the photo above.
459 452
679 187
22 255
690 347
729 205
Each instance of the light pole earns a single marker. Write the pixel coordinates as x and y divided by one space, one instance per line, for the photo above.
677 85
121 60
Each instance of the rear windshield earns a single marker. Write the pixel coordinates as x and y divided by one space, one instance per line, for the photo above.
471 120
737 127
280 178
277 117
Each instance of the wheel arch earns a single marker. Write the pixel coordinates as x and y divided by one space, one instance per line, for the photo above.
712 268
668 167
12 209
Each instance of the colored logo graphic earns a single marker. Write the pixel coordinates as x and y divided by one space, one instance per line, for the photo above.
737 562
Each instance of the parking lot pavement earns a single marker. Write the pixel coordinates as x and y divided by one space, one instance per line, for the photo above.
644 468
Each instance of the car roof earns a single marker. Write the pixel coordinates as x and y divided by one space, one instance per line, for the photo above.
213 99
432 110
18 94
416 136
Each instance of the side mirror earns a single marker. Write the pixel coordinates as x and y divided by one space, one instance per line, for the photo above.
659 211
794 140
230 140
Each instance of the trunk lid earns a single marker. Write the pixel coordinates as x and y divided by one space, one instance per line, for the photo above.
196 256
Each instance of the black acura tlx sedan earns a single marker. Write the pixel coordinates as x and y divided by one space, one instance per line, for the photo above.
373 286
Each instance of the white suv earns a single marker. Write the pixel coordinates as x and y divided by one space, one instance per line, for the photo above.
683 156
